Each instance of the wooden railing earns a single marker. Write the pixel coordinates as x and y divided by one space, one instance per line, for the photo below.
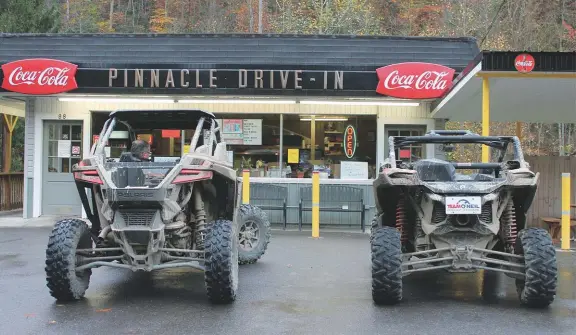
11 191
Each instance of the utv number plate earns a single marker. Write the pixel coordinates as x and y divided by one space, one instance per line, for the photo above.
463 205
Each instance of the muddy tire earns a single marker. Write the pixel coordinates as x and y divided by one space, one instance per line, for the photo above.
253 234
64 282
221 262
374 225
538 289
386 266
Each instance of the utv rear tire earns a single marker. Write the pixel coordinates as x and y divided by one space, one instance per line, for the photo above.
64 282
221 261
253 224
538 289
386 266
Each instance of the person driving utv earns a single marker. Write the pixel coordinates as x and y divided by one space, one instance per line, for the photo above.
139 152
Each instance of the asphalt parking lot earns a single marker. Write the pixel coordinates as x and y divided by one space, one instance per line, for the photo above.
301 286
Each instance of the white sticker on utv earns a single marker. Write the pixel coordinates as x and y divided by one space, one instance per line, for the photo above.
463 205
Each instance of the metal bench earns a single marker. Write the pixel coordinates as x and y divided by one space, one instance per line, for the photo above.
334 198
270 197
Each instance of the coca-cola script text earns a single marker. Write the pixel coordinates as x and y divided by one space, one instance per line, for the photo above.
414 80
39 76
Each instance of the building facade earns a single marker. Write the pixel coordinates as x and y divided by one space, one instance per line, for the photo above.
287 101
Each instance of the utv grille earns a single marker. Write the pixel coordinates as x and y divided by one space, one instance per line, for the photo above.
137 218
438 213
486 215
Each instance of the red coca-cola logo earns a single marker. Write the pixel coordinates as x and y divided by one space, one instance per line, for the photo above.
414 80
39 76
524 63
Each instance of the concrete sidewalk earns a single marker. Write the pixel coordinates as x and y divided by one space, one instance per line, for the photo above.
13 219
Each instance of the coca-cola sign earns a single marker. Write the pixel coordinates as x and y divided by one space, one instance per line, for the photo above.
524 63
39 76
414 80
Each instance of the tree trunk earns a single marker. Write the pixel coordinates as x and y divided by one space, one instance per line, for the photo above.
251 10
260 16
111 18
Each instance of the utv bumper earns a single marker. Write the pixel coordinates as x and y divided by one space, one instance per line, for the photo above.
464 259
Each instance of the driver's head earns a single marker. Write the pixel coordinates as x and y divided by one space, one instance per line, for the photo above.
141 149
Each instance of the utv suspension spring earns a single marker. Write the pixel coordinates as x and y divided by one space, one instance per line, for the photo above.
401 220
510 228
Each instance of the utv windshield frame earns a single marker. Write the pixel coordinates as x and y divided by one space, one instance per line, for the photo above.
460 137
135 120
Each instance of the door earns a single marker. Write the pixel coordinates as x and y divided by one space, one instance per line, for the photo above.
62 148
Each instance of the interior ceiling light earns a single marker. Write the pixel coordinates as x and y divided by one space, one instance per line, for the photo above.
237 101
360 103
308 118
133 100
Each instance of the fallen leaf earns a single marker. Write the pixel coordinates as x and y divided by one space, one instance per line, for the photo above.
52 322
29 315
104 310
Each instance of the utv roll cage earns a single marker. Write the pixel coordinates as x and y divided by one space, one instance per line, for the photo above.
135 120
461 137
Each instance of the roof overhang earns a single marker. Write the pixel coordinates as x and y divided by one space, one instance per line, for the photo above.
543 96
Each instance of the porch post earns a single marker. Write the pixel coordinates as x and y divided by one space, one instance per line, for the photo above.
9 125
485 117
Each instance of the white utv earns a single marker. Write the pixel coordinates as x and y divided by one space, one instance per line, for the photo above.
430 217
157 213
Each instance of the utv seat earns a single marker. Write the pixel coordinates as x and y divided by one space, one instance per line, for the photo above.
435 170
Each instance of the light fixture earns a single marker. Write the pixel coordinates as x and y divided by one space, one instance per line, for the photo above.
360 103
324 119
118 100
237 101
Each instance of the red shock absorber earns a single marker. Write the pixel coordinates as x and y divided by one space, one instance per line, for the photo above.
401 219
511 231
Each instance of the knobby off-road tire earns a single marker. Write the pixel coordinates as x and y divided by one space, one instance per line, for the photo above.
538 289
221 261
252 217
386 266
64 282
374 225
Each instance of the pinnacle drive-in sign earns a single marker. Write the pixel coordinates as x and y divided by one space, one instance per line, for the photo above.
39 76
414 80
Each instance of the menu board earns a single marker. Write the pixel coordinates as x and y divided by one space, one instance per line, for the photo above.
252 130
241 131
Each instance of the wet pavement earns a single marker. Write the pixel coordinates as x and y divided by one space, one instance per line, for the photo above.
301 286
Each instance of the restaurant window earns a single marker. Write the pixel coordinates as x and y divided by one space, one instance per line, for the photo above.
410 153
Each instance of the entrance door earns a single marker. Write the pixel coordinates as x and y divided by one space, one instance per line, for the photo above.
62 148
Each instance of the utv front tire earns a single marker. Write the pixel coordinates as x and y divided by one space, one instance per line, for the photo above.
253 234
64 282
386 266
221 261
538 289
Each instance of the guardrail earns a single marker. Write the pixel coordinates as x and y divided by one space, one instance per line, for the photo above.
11 191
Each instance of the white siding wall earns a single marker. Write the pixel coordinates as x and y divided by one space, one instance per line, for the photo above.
49 108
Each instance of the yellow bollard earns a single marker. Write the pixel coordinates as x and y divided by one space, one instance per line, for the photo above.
485 118
565 234
245 187
315 204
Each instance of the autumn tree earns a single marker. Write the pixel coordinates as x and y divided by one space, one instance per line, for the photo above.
28 16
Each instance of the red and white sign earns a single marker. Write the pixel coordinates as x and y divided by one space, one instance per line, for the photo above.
39 76
524 63
414 80
349 141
